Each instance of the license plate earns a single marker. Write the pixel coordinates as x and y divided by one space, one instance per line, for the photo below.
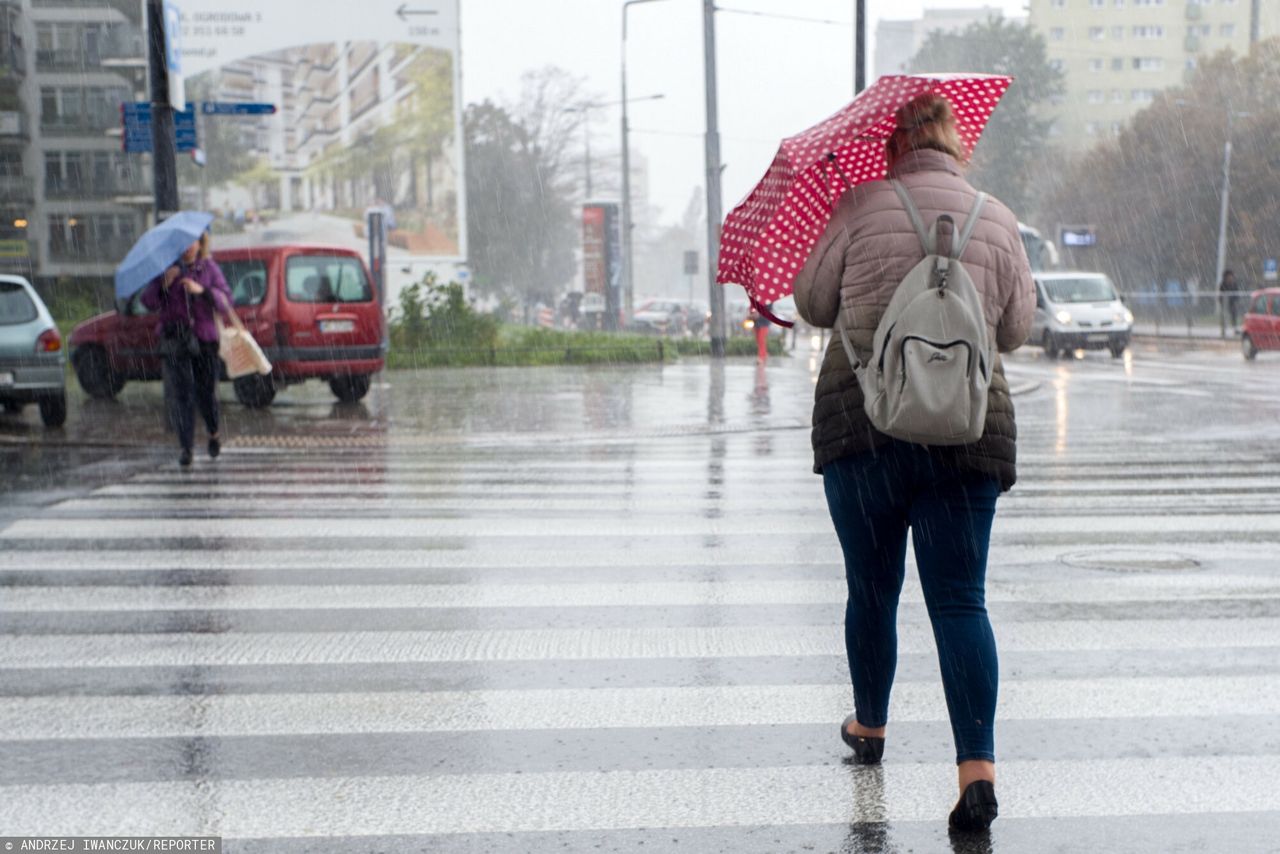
6 378
1098 337
337 326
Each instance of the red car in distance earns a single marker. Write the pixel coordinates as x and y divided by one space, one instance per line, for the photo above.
1261 323
313 310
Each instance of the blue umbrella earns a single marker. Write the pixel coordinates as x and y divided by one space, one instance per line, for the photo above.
156 250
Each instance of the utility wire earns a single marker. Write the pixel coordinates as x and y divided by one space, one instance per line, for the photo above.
755 14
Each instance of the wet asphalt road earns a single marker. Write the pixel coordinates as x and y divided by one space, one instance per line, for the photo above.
598 609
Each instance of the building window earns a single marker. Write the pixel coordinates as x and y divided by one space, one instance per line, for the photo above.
1148 32
1227 31
1119 4
1117 96
1096 65
1092 128
1192 63
1057 4
1097 34
1117 33
1115 128
1057 65
1143 96
1057 34
1117 64
1148 63
1095 96
1097 4
10 163
1148 2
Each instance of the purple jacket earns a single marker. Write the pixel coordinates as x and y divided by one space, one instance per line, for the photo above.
178 308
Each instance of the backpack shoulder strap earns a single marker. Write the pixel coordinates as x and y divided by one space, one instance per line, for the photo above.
914 213
970 222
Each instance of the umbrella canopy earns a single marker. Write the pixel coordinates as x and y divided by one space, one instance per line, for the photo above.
156 250
767 238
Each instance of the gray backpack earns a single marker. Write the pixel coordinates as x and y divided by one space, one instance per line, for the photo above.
931 361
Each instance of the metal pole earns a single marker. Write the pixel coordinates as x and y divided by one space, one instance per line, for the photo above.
586 129
628 269
1222 223
713 180
859 46
1255 22
164 164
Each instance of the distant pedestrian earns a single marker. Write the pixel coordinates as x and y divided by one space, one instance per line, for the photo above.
761 324
186 297
1230 292
880 488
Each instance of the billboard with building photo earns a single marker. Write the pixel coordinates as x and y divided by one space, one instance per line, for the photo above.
368 117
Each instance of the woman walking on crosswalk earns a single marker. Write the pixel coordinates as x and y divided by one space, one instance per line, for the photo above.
878 488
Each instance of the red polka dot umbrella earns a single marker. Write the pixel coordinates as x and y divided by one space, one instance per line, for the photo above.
767 238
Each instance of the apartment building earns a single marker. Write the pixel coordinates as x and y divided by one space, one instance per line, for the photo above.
71 201
1117 55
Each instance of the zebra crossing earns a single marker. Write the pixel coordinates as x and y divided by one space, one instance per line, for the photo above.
537 642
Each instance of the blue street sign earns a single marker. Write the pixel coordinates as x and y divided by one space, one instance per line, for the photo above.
137 128
232 108
1270 269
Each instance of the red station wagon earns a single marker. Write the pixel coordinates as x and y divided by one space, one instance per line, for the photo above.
1261 323
312 309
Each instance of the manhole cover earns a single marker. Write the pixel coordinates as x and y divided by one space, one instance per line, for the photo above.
1130 560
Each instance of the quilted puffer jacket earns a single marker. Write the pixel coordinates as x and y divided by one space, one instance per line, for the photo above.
866 251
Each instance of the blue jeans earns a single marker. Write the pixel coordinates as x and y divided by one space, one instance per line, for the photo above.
874 498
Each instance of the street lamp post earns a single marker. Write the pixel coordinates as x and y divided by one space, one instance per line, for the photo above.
1222 223
859 46
628 267
718 330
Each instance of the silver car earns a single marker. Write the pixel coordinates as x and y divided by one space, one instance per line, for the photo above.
33 365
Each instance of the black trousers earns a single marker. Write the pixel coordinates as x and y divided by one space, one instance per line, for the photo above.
191 383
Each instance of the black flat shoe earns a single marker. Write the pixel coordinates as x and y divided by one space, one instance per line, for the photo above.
215 448
184 458
976 808
866 750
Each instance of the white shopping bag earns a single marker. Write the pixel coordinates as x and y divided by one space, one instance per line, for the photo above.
240 353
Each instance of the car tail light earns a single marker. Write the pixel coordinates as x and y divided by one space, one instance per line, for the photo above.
49 341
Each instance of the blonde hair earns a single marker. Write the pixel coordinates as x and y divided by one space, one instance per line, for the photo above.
205 251
926 121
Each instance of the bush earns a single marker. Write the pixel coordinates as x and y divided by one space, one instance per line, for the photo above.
437 326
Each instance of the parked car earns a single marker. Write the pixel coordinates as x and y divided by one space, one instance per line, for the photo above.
312 309
33 365
1261 323
661 317
741 319
1079 311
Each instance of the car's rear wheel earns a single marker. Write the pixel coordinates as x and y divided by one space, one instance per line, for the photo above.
1247 347
1117 350
255 391
350 387
53 409
11 406
1050 346
93 370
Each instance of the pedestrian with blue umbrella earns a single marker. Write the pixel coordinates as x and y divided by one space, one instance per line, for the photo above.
170 264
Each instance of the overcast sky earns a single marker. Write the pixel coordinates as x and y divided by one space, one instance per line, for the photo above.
776 76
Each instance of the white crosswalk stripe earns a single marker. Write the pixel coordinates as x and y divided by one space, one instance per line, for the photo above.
644 560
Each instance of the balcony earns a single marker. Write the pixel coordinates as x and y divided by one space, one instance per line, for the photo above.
90 251
94 124
17 189
14 126
13 58
1194 12
99 189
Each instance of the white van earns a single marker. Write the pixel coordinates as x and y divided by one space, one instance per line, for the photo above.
1079 311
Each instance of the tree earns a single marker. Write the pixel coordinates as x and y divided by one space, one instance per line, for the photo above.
1154 191
520 215
1012 150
